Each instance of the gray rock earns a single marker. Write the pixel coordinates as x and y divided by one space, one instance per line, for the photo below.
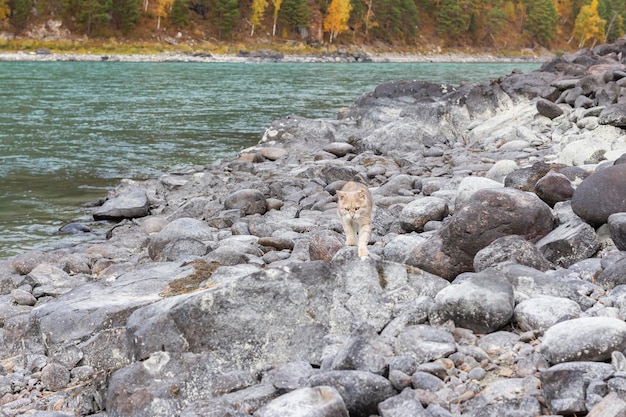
510 250
361 391
363 354
319 401
469 185
22 297
482 302
182 248
565 385
584 339
405 404
613 275
424 343
289 376
569 243
183 228
420 211
55 377
501 169
617 228
426 381
238 403
339 148
128 204
538 314
249 201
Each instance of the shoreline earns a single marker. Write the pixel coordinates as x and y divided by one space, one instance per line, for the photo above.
268 56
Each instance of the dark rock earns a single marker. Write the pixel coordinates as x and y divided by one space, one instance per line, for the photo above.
565 385
554 187
526 179
600 195
361 391
613 275
617 229
74 228
548 109
324 245
614 115
482 302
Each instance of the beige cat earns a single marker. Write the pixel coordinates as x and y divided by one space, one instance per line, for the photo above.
355 211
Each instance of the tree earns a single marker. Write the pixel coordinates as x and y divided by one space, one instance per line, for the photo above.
614 12
224 14
295 14
180 13
276 4
394 20
589 25
125 14
20 12
336 19
451 19
163 8
258 11
5 11
541 20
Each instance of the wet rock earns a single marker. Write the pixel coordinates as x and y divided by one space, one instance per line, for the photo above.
128 204
74 228
482 302
601 195
584 339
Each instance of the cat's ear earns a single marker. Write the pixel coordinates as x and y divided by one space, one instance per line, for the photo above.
341 195
362 194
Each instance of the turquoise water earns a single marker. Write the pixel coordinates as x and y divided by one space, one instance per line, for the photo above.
69 131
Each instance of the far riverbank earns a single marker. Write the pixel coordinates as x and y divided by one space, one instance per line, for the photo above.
271 56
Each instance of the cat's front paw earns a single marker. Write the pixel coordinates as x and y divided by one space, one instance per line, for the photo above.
363 253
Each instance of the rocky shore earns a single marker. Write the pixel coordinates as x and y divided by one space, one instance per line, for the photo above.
496 284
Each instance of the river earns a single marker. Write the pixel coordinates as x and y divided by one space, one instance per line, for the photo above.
69 131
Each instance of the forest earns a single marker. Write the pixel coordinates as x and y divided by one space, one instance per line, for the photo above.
399 24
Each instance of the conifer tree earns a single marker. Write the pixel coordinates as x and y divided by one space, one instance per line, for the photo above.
180 13
589 26
336 19
541 20
451 19
224 14
614 12
125 14
20 12
295 14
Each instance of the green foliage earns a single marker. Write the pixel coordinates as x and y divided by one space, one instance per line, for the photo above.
294 14
395 20
125 14
20 12
451 19
180 13
224 13
614 12
541 20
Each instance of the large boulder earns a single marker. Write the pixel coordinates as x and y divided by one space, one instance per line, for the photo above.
488 215
601 194
129 203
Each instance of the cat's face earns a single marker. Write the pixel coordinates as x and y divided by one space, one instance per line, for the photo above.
352 204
